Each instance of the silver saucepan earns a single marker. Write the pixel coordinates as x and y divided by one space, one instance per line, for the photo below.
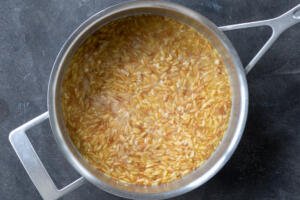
237 74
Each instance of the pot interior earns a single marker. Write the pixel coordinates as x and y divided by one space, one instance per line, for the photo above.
238 111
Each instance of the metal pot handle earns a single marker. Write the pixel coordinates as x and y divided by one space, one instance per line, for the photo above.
33 165
278 26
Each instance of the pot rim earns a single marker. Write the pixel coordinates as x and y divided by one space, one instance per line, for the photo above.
64 145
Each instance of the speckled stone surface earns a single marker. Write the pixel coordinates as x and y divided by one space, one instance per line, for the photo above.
266 164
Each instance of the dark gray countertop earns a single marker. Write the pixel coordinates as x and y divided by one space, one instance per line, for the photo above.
266 164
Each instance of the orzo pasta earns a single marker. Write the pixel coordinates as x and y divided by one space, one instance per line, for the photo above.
146 99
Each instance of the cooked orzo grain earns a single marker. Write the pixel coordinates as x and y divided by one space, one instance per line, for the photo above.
146 99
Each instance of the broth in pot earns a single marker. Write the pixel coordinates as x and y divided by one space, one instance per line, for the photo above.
146 99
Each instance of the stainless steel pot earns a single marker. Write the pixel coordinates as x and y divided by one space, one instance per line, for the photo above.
35 168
